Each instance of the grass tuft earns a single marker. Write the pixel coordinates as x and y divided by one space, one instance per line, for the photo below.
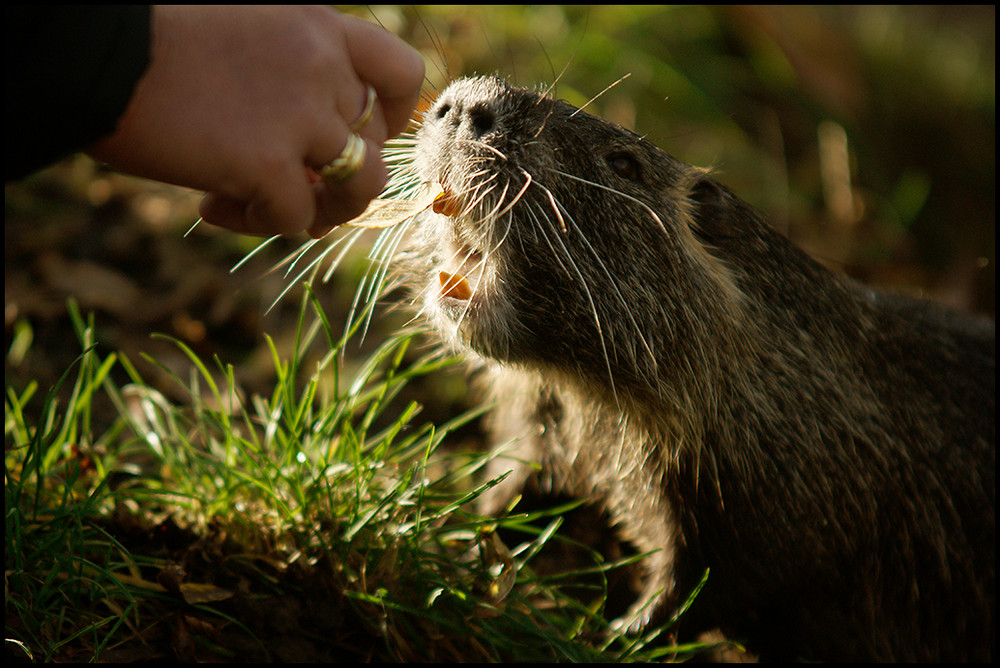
321 522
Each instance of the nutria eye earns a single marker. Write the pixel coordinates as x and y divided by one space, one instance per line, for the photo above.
624 165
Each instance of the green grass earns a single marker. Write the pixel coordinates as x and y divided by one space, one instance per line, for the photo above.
322 522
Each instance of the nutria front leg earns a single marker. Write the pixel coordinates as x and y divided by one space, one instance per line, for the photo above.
639 507
652 599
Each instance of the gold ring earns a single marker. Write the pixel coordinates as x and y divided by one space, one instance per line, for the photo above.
368 112
347 164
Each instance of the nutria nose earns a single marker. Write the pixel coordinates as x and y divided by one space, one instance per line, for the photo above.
475 119
481 119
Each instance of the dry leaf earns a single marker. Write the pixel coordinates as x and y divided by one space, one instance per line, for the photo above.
382 213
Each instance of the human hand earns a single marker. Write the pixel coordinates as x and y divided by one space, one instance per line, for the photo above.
244 102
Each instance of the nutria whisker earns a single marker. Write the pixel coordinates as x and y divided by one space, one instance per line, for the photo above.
619 193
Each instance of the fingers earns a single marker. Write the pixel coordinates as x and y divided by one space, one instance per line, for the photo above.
283 204
337 203
289 197
292 197
392 67
395 71
302 201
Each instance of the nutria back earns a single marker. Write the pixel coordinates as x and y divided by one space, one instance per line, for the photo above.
824 450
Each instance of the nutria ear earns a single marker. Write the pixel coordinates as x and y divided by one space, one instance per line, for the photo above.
712 212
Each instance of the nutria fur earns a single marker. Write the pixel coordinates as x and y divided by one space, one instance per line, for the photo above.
825 450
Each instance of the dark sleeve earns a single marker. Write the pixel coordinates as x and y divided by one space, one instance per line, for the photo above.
70 74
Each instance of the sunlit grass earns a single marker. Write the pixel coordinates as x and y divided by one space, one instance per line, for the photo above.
168 531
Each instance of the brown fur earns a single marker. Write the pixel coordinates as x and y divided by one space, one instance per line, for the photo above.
825 450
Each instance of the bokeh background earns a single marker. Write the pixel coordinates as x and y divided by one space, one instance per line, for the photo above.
867 134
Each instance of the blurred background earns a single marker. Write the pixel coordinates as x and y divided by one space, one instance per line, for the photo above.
866 134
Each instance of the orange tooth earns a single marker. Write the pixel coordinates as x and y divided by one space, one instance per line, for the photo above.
446 204
454 285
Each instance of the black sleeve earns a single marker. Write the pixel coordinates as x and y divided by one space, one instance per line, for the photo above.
70 73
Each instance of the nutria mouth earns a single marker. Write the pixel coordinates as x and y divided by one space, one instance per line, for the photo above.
461 271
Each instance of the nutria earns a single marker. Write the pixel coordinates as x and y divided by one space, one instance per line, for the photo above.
824 450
